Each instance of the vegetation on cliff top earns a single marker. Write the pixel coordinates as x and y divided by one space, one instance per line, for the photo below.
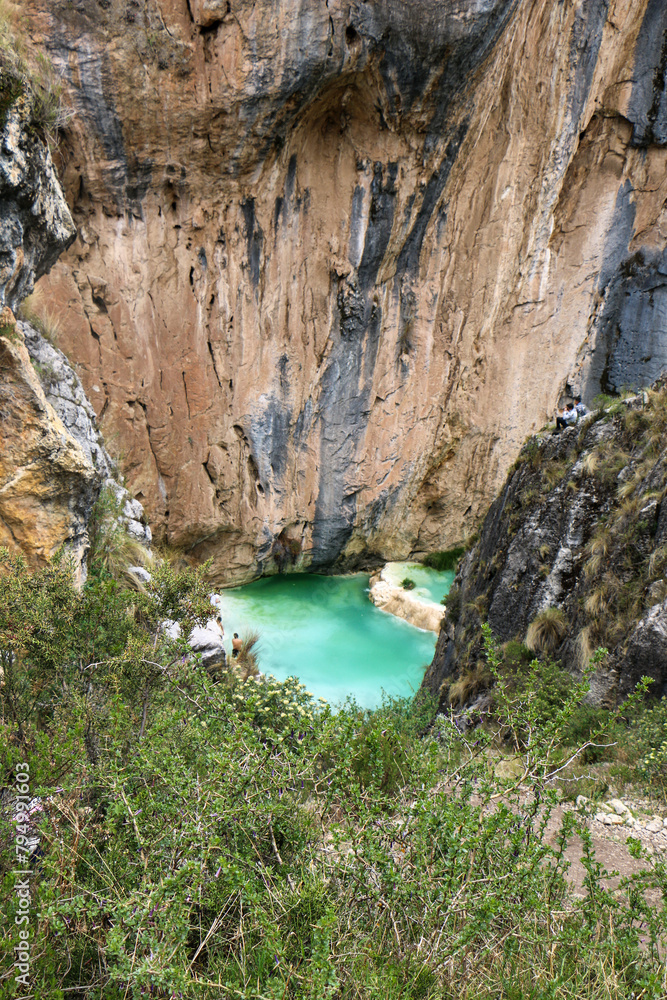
238 839
28 79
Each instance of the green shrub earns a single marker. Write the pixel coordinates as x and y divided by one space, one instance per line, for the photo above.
408 584
649 738
186 849
445 561
452 602
516 655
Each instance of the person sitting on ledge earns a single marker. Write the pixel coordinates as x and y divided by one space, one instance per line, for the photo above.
569 417
236 645
580 407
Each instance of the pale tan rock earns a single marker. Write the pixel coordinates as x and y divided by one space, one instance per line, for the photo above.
403 604
47 485
332 308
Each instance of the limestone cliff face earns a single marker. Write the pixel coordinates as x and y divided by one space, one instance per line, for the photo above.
35 222
47 483
336 260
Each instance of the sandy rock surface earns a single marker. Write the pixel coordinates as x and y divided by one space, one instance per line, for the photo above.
386 596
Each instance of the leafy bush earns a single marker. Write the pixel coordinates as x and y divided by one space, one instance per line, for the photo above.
444 561
198 843
649 735
407 583
278 709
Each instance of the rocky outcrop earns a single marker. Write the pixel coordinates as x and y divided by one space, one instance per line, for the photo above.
62 388
64 391
395 600
47 482
572 556
335 261
35 223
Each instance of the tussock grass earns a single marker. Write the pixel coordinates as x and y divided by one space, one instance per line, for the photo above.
112 548
34 310
469 684
590 462
246 661
599 548
657 592
546 631
657 562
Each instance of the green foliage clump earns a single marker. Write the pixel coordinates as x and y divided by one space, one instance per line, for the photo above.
649 735
452 602
445 561
186 849
407 583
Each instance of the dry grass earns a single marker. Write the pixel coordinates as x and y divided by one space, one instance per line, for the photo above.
599 548
657 562
586 643
590 463
246 661
469 684
627 488
657 592
35 310
546 631
597 601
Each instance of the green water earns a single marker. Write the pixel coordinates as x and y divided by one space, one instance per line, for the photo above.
325 631
430 584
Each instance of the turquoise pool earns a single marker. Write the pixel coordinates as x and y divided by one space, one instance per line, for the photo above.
325 631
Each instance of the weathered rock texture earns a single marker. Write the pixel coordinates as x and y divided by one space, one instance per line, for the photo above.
577 539
62 388
47 482
35 222
402 603
47 485
336 260
64 391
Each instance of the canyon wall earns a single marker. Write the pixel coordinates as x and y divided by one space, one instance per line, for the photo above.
47 482
336 260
